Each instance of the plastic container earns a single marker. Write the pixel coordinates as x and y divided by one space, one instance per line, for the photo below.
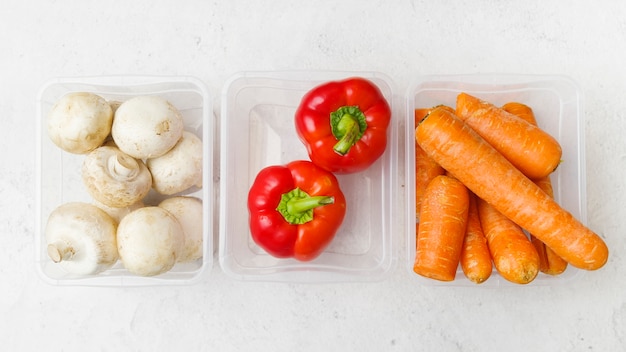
59 180
257 130
557 104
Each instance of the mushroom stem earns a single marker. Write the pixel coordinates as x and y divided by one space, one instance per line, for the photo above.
122 166
59 251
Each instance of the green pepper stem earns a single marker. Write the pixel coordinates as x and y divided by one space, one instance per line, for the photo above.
349 124
304 204
297 206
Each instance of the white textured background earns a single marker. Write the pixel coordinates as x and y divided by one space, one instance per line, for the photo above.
214 39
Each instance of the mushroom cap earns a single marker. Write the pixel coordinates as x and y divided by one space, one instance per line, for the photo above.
149 241
88 231
178 169
146 126
188 211
114 178
79 122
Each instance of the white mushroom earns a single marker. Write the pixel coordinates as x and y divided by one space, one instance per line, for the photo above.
79 122
81 238
114 178
146 126
178 169
118 213
188 212
149 241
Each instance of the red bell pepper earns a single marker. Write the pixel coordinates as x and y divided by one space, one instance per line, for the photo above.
295 210
343 124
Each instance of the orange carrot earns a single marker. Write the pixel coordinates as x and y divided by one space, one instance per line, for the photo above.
513 255
549 262
530 149
520 110
475 256
459 149
441 229
420 113
425 168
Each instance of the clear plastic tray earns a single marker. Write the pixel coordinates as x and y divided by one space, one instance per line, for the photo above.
257 130
557 104
59 180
